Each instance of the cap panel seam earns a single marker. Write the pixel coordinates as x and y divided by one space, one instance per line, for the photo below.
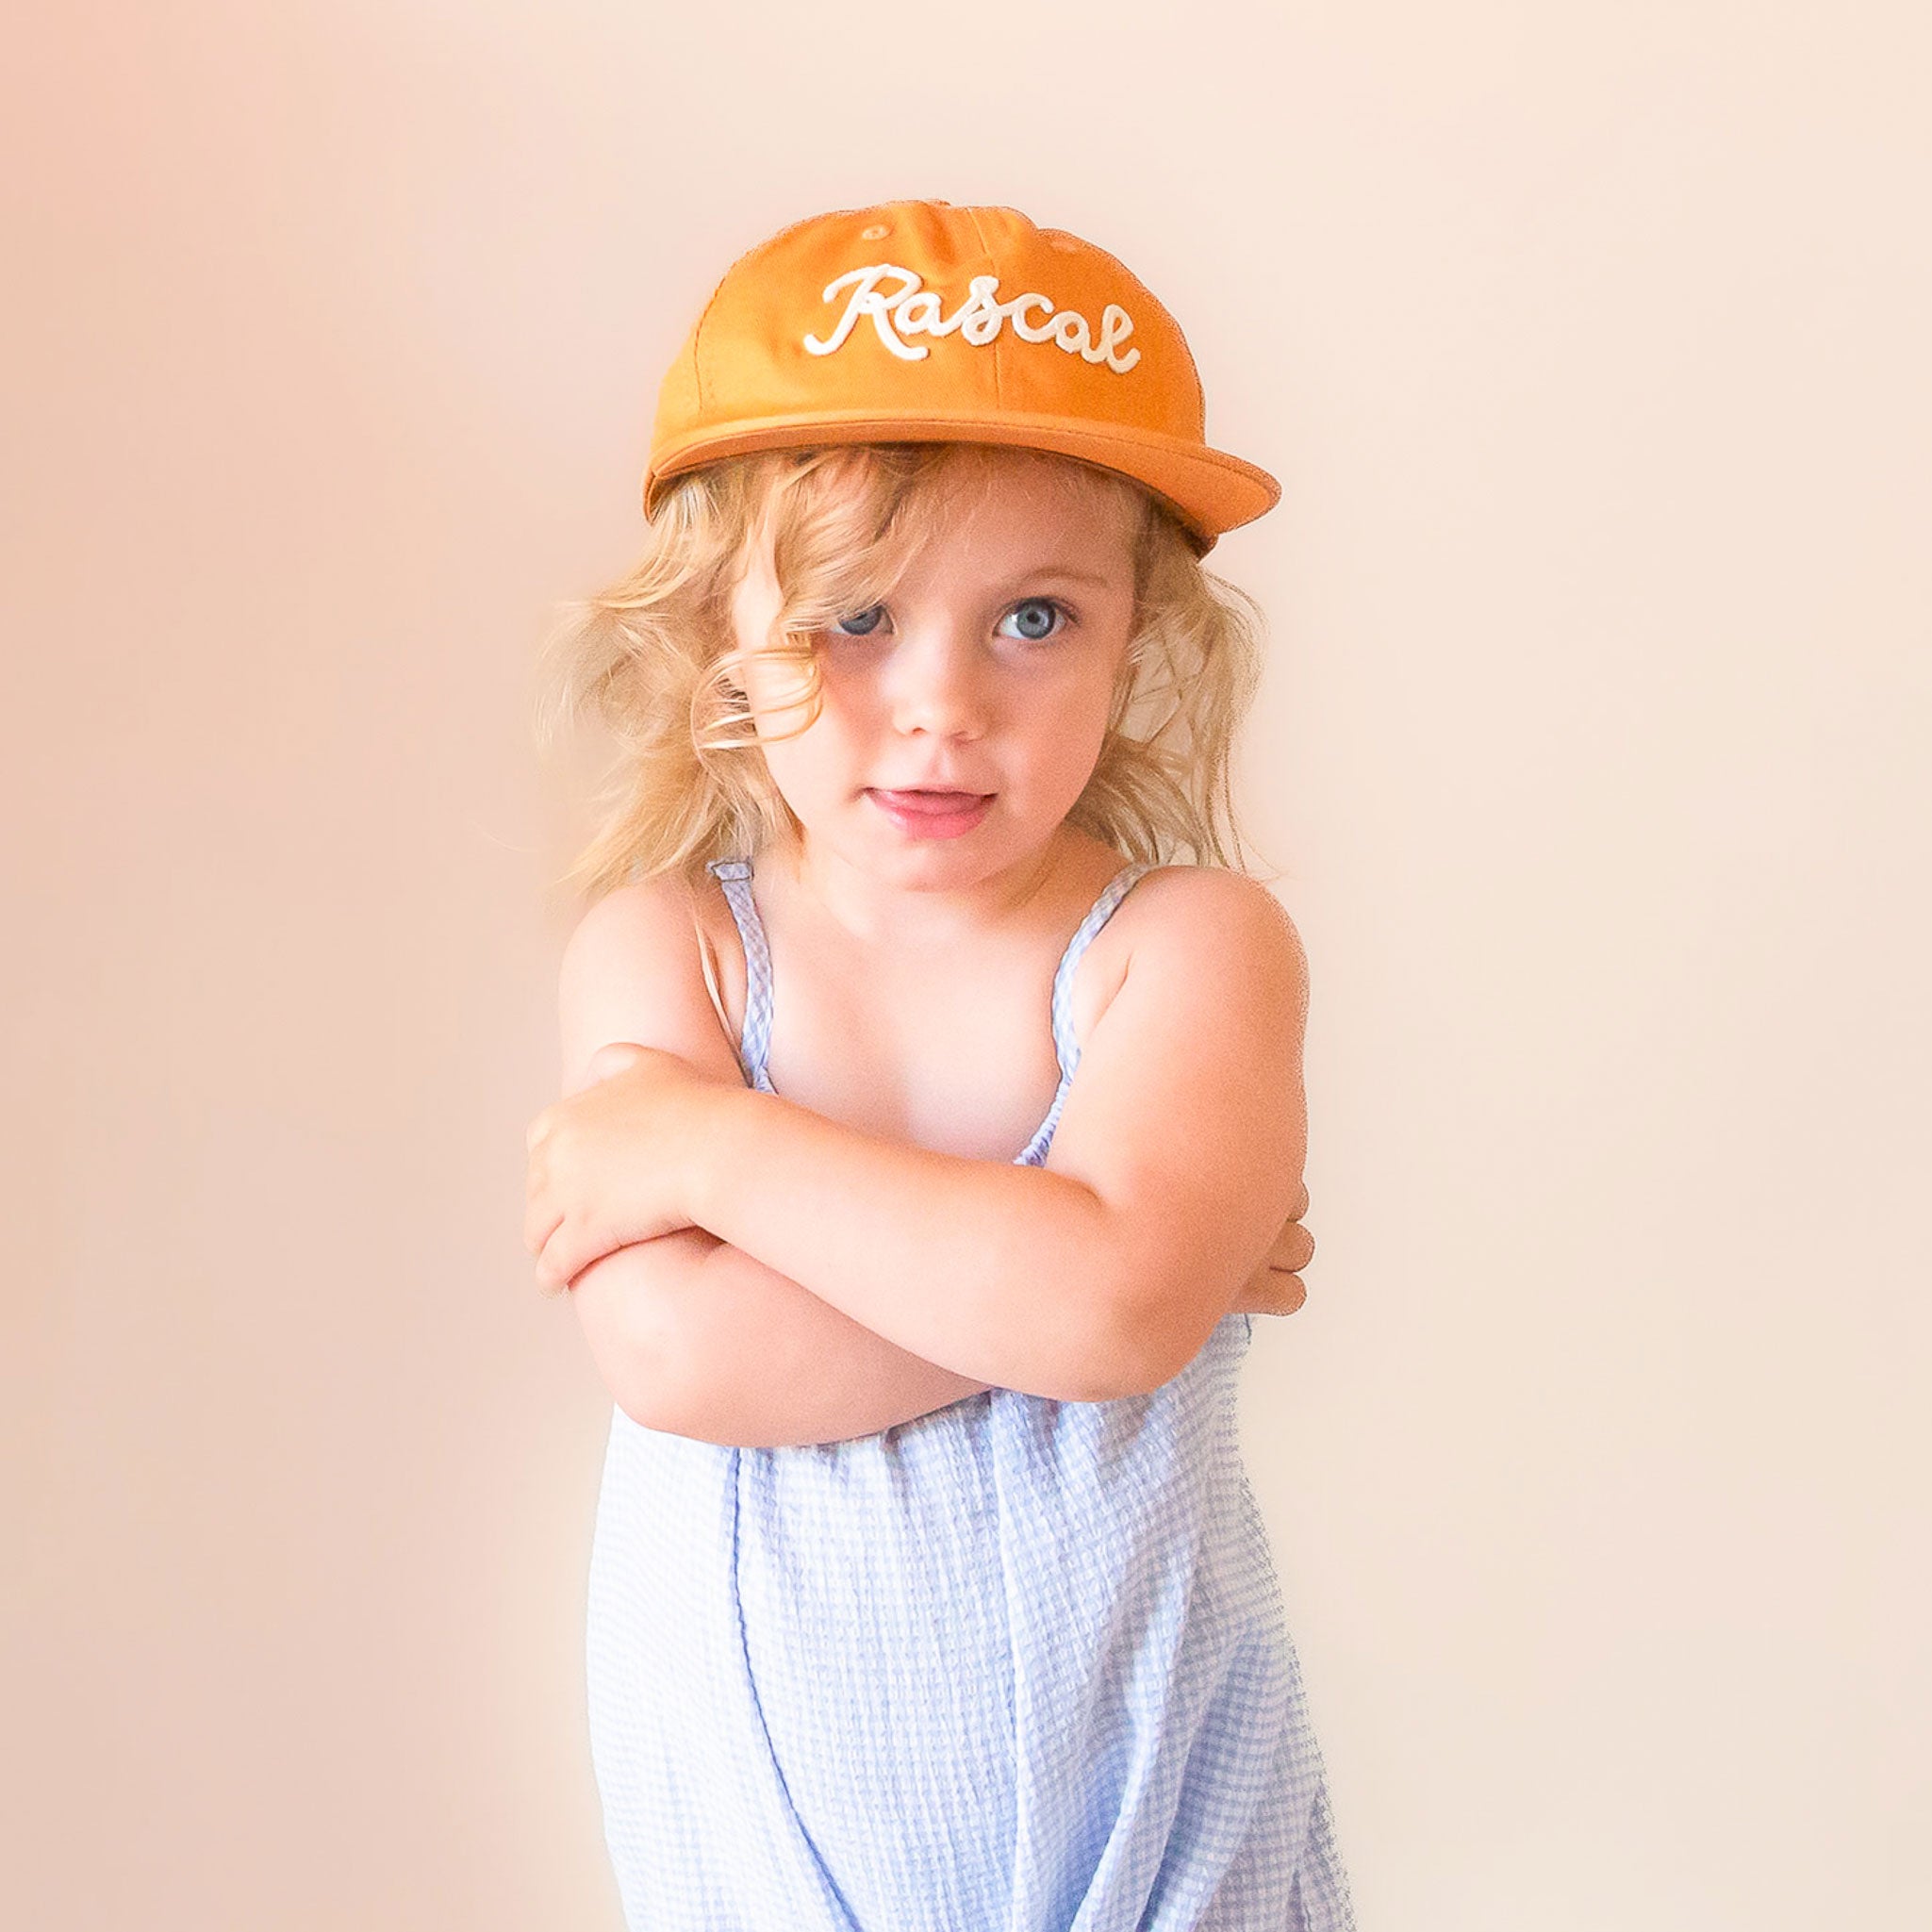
769 242
1174 320
698 343
1000 341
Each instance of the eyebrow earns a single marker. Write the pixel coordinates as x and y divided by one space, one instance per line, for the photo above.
1061 574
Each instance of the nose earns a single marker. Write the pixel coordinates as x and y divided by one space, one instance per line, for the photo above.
937 682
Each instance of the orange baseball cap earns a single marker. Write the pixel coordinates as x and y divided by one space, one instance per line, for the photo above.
919 322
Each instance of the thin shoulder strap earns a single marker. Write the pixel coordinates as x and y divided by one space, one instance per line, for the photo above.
735 875
1112 894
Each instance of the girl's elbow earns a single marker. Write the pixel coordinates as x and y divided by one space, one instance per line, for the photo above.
1131 1356
643 1398
658 1392
640 1387
626 1318
1157 1338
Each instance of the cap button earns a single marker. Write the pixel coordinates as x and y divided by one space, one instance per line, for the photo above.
875 232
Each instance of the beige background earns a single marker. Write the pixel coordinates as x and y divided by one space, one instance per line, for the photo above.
1590 344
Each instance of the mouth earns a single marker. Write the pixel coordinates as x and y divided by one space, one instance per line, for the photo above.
934 815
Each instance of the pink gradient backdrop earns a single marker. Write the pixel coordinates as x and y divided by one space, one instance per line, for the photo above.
1590 346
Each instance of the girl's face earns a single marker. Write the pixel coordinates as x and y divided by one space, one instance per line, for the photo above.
989 671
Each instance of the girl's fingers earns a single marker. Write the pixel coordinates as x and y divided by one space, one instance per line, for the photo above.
1276 1286
1293 1248
539 1222
551 1278
538 1225
1270 1291
1285 1292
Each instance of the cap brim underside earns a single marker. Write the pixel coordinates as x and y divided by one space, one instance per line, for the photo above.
1211 492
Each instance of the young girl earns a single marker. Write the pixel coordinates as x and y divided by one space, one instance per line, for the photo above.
928 1589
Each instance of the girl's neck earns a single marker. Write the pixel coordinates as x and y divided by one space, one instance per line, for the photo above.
878 915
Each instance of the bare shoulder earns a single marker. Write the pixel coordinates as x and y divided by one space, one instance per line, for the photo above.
1215 903
634 968
1187 1116
1215 924
627 933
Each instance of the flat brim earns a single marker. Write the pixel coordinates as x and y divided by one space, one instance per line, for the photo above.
1209 491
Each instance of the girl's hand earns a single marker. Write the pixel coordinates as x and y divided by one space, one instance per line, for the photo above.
610 1163
1276 1286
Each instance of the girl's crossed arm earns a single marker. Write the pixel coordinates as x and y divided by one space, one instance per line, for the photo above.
1177 1155
689 1334
743 1356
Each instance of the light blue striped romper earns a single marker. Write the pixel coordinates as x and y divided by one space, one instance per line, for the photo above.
1020 1665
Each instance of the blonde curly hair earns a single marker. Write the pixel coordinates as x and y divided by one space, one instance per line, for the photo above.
654 659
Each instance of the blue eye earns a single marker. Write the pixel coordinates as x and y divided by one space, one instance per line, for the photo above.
1052 607
1036 617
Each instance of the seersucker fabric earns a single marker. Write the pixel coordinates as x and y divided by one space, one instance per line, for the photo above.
1018 1665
